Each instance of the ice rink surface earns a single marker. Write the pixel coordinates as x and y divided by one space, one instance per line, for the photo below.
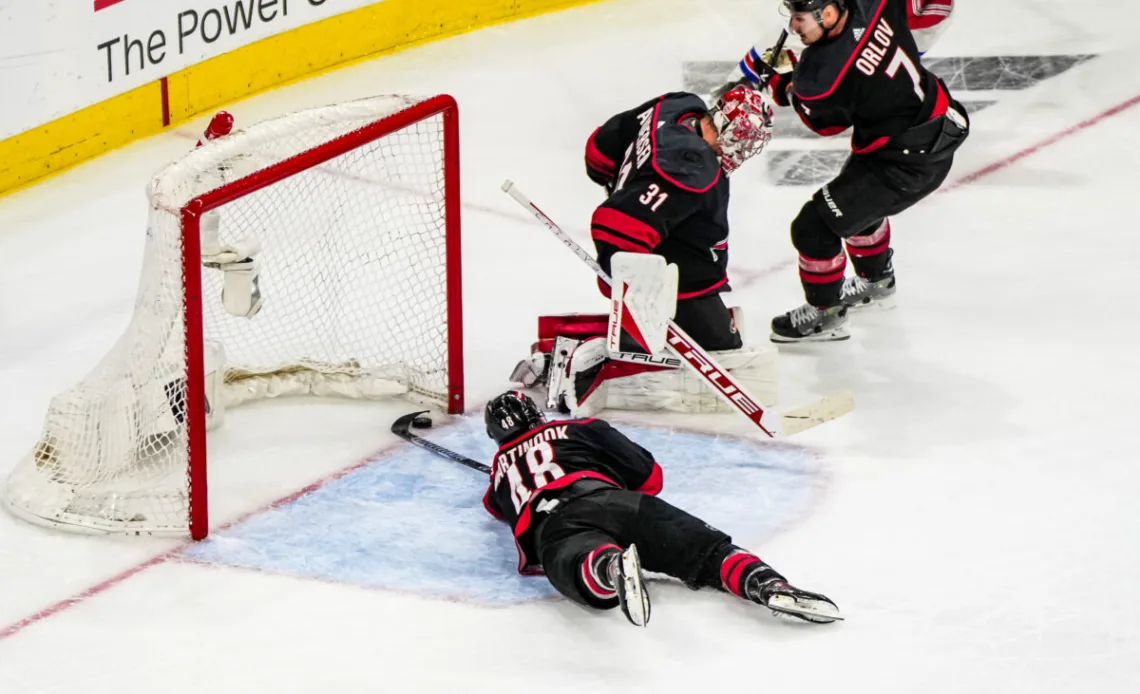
975 517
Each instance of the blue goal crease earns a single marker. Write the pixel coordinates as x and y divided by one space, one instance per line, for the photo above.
412 522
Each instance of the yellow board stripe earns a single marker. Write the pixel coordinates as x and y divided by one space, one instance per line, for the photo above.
385 27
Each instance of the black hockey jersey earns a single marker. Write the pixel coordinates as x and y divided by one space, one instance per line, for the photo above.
528 473
871 78
667 192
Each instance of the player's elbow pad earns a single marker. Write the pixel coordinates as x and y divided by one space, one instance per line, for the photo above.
654 484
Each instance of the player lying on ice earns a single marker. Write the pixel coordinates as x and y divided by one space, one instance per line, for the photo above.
664 166
581 499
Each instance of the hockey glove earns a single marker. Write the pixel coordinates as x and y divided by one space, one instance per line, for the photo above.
782 67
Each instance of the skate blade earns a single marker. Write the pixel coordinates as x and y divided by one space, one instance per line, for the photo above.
633 597
836 335
815 611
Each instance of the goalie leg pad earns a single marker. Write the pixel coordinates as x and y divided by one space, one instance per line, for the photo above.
681 390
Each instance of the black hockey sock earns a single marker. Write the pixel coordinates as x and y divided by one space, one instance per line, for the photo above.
874 267
871 252
599 569
742 570
823 295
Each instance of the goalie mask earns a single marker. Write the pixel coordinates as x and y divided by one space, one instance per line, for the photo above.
743 121
511 415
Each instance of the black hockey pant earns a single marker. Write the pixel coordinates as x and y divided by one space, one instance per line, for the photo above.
669 541
855 207
709 322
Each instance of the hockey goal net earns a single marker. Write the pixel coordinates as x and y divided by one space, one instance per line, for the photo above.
352 212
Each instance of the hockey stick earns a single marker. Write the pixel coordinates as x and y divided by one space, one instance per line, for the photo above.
401 428
743 81
727 387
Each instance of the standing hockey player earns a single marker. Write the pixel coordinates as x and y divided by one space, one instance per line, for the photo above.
664 166
860 69
580 497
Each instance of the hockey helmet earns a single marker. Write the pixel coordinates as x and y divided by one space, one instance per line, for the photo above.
743 121
813 6
511 415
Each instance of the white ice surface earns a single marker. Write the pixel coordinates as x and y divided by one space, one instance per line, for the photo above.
979 528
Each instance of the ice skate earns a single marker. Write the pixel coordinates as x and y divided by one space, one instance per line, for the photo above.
624 573
810 324
861 294
785 599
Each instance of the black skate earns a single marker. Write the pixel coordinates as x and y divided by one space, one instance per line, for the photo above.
860 293
810 324
785 599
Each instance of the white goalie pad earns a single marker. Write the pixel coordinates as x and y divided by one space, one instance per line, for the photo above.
681 390
643 301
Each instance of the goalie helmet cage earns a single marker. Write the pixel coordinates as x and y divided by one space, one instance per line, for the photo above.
355 209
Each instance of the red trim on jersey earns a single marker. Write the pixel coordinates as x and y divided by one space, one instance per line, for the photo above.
871 147
825 132
662 174
487 504
594 157
941 103
858 49
702 292
622 223
623 244
656 481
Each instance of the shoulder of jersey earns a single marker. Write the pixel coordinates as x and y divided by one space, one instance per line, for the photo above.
822 65
684 158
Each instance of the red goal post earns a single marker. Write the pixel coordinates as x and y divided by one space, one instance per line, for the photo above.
351 214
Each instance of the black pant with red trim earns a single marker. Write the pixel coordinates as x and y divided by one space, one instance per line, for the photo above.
669 541
853 209
709 322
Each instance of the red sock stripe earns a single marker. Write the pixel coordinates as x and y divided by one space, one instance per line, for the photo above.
733 568
590 580
871 244
821 279
816 271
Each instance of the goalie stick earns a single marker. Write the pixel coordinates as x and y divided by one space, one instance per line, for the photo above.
692 355
401 427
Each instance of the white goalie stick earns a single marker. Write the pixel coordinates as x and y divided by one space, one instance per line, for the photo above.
692 355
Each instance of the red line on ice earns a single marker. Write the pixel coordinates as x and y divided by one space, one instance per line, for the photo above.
52 610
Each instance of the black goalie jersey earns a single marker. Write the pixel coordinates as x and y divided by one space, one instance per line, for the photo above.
528 473
870 77
667 192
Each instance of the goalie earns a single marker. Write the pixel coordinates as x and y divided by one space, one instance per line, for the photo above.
662 236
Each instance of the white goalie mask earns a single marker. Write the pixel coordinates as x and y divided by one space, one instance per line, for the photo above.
743 121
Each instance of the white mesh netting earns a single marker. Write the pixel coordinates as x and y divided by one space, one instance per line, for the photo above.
353 276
